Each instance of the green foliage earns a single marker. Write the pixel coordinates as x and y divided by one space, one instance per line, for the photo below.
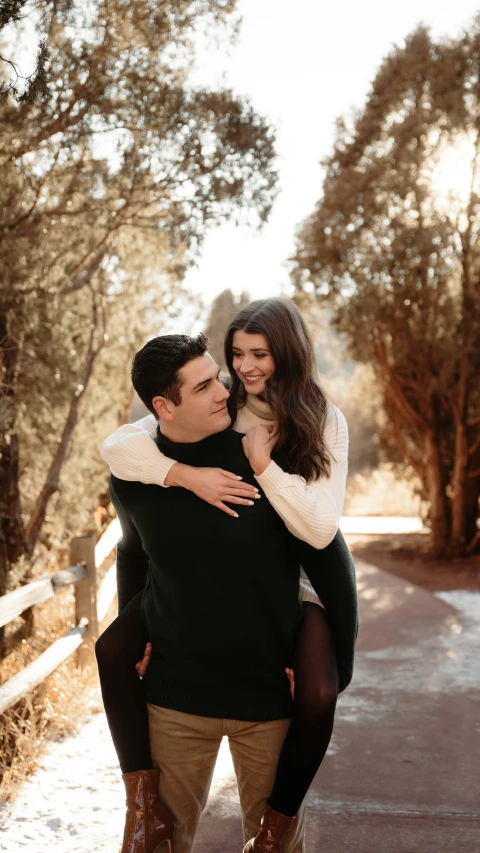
109 185
392 247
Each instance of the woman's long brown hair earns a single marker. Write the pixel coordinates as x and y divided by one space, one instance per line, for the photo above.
297 402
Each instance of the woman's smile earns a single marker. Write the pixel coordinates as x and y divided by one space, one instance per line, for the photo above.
251 378
252 360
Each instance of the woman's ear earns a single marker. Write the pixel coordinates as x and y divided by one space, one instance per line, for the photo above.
164 408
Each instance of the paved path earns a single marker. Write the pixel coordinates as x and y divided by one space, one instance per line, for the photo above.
381 524
402 771
401 774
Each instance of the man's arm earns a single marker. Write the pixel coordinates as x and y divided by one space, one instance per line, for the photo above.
132 561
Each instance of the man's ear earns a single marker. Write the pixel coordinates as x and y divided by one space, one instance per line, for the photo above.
164 408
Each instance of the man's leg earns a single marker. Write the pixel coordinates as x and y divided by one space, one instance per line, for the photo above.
184 747
255 749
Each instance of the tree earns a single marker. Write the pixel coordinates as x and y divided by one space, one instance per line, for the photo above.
109 185
222 311
394 250
35 85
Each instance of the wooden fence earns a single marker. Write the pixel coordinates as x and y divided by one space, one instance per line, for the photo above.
91 606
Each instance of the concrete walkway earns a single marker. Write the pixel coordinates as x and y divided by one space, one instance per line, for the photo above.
402 771
401 774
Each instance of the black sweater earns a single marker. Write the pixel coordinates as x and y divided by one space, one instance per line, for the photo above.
220 596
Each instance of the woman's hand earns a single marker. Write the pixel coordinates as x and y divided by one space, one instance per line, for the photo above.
213 485
141 666
258 444
291 678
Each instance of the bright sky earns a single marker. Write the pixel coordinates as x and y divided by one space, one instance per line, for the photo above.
302 65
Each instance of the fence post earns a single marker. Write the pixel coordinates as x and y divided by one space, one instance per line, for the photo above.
83 551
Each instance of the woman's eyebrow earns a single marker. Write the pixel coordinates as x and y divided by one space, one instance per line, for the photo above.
254 349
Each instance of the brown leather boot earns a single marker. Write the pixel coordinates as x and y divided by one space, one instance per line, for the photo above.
148 823
272 832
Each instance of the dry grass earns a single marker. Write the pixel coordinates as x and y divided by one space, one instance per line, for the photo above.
59 705
387 490
56 708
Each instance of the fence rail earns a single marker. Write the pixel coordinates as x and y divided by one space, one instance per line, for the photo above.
14 603
91 607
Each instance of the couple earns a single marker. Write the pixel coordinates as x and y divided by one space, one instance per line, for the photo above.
252 611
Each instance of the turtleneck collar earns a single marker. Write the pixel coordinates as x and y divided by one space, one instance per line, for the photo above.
259 407
202 452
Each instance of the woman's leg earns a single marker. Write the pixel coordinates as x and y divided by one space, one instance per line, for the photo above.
316 691
118 650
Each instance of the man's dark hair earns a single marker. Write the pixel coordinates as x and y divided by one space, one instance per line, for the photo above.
155 367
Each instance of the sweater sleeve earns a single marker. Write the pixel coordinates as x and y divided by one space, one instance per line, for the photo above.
131 453
132 561
312 511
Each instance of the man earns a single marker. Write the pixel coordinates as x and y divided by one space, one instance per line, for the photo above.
221 599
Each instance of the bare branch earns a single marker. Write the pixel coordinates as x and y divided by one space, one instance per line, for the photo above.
475 446
472 546
53 477
395 390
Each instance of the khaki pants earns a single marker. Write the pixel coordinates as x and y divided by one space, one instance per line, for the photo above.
185 747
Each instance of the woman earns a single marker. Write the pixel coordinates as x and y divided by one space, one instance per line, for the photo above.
276 401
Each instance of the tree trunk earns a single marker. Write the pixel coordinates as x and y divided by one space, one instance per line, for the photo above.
12 534
472 496
472 507
53 477
458 541
13 542
439 518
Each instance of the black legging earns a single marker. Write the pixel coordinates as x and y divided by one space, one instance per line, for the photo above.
122 645
119 648
316 691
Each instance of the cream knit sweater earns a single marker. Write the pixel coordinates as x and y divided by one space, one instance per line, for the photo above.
310 511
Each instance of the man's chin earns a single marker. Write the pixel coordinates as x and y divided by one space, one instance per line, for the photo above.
225 420
219 423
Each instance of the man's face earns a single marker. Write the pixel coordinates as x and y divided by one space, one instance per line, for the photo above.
202 410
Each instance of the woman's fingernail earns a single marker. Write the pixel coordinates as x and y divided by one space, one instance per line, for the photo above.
236 515
250 503
257 496
239 478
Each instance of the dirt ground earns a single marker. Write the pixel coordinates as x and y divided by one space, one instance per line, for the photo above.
406 555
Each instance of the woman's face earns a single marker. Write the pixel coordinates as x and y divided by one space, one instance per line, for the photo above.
252 361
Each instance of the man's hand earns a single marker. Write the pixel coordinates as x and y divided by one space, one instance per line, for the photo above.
258 444
291 678
141 666
213 485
